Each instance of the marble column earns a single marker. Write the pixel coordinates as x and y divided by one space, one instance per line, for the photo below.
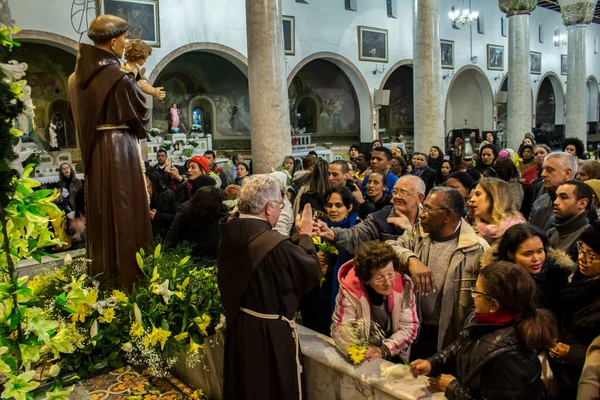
576 16
269 112
519 101
427 76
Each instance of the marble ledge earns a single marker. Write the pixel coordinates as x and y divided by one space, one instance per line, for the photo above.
30 267
330 375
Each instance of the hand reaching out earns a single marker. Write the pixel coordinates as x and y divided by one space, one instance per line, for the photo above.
320 228
304 222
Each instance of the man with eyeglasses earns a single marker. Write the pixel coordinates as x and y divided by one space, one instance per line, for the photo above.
573 201
262 276
442 255
387 224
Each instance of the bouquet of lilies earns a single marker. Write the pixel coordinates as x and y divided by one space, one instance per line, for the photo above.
358 335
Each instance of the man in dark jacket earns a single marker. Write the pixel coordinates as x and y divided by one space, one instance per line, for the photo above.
556 170
387 224
110 115
573 200
262 276
423 171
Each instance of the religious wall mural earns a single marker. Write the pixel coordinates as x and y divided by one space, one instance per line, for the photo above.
322 100
398 116
210 93
545 107
48 71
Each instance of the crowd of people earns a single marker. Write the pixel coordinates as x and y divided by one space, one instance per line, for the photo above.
483 273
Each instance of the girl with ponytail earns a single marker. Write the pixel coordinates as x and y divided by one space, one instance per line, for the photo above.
496 354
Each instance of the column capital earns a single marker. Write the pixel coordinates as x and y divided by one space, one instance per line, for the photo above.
577 12
515 7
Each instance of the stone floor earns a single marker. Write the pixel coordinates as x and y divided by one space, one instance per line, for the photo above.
129 384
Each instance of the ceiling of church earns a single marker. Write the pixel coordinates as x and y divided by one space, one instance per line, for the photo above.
554 6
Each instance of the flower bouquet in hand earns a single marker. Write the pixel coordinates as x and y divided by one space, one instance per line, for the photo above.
358 335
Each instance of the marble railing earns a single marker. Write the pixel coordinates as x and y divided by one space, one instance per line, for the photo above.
329 375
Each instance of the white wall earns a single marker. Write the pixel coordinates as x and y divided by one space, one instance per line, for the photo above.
324 26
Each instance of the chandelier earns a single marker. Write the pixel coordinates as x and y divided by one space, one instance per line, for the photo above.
464 17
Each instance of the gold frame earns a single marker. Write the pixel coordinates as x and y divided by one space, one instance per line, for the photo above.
155 3
360 44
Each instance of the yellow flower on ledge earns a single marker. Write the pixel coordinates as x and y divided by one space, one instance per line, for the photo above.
109 315
120 296
203 323
194 347
356 353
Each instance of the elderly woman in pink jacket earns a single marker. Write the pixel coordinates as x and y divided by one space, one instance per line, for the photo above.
372 289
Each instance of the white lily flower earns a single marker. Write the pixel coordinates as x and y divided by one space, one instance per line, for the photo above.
163 289
14 71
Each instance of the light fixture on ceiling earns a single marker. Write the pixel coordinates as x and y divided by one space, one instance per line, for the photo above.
560 40
464 17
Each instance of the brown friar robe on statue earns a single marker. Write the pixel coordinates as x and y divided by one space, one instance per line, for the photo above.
264 272
110 114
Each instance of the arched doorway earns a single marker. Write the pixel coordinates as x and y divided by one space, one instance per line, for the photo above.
210 91
49 68
357 83
470 100
397 118
324 102
549 108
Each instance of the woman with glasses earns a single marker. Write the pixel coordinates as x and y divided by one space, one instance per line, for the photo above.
372 290
496 354
579 314
527 247
493 208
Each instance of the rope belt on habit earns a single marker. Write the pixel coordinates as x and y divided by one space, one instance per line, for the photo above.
294 335
108 127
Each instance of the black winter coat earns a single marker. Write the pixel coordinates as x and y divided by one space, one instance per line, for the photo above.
369 207
490 362
165 205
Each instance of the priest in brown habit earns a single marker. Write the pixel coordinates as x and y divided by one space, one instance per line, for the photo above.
110 114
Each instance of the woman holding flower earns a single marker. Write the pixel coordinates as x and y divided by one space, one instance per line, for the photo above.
374 292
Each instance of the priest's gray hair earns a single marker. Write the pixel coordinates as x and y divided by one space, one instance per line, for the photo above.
567 161
418 183
257 192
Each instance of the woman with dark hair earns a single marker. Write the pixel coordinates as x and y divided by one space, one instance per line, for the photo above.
487 155
69 181
398 166
443 172
491 138
375 144
318 305
377 197
496 356
527 247
574 147
372 290
505 169
315 191
579 314
436 156
163 203
527 158
197 222
242 171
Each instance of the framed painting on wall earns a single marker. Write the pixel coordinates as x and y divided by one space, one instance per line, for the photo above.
447 57
142 16
289 35
563 64
372 44
495 57
535 63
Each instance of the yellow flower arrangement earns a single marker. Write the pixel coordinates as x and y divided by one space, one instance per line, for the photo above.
181 337
194 347
136 330
356 353
120 296
109 315
157 335
202 323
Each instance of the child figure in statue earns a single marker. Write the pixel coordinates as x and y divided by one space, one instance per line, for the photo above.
174 119
136 53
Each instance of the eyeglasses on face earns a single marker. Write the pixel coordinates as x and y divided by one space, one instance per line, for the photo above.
474 291
427 211
587 256
379 279
280 203
402 192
